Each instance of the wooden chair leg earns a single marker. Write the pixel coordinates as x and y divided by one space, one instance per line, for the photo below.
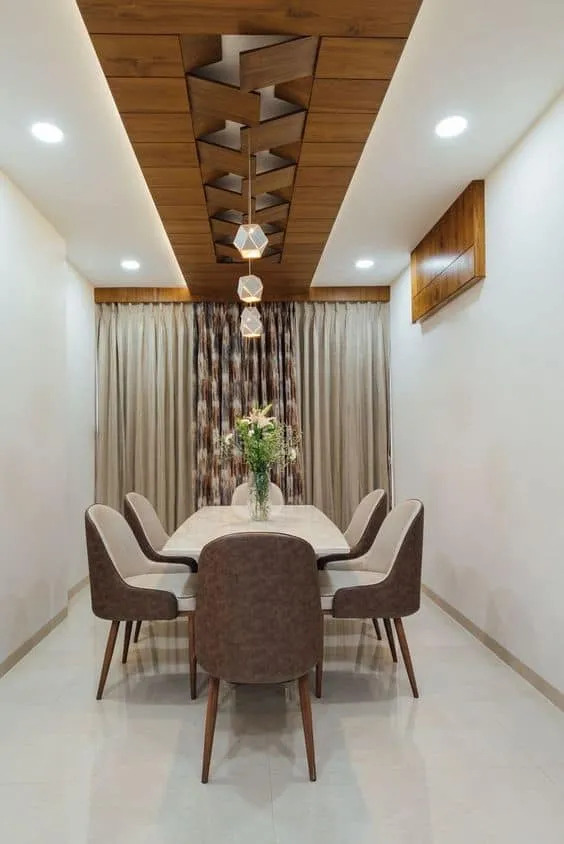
406 655
377 629
319 678
109 652
305 704
192 655
390 635
126 640
137 631
211 717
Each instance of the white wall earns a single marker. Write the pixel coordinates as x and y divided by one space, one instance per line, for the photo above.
478 414
46 420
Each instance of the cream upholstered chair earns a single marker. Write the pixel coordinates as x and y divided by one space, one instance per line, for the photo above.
241 495
386 581
365 523
126 586
150 534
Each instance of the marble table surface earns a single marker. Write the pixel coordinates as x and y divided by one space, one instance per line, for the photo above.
304 521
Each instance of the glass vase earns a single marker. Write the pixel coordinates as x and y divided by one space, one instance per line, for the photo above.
259 496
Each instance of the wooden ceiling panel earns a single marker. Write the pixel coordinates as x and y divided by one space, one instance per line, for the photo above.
164 127
139 55
147 94
166 155
334 128
297 91
199 50
356 95
330 155
155 54
272 180
277 63
358 58
224 101
172 177
367 18
316 177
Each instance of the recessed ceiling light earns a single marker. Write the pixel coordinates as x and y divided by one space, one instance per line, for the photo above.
130 264
452 126
47 132
364 264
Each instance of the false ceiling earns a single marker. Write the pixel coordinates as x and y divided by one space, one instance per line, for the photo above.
206 90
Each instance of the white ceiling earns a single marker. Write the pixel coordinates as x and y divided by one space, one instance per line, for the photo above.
497 62
90 187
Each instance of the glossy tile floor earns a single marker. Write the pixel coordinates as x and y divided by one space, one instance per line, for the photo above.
479 758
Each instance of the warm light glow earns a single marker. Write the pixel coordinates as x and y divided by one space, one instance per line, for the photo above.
250 240
130 264
450 127
249 288
251 323
48 133
364 263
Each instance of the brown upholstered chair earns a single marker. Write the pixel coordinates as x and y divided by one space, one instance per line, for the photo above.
258 620
241 495
386 582
126 586
150 534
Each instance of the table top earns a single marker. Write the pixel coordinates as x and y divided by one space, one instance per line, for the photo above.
304 521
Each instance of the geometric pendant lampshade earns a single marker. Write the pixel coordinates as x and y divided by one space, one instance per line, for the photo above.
251 323
249 288
250 240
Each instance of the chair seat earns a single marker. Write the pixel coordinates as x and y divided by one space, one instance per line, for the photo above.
181 585
331 581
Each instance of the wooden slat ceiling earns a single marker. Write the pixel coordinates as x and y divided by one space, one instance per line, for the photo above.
332 77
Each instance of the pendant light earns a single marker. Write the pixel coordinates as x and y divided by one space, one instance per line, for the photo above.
250 239
251 323
249 288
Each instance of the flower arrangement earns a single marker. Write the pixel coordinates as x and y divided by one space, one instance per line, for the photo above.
262 441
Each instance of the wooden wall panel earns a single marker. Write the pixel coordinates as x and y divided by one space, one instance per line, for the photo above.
344 95
139 55
158 127
106 295
452 256
278 63
325 128
146 94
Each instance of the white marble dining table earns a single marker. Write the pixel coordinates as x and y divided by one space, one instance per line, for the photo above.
304 521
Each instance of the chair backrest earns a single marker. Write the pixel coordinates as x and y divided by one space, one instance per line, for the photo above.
366 521
241 495
113 555
144 522
258 614
397 551
391 537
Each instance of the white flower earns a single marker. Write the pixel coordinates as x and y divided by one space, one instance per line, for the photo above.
292 454
263 421
228 439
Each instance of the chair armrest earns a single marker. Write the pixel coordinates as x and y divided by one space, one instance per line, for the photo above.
333 558
155 557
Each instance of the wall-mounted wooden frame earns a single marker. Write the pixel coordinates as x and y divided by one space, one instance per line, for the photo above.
138 295
452 256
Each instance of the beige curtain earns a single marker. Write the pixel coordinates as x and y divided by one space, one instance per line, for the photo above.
146 407
342 379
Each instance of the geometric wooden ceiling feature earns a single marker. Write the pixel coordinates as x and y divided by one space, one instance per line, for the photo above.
277 63
305 106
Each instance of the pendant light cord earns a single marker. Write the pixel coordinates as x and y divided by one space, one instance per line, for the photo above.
249 145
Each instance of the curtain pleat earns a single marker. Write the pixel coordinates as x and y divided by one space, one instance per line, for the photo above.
145 407
342 379
233 376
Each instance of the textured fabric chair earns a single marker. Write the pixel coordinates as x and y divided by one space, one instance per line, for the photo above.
386 581
258 620
150 534
126 586
241 495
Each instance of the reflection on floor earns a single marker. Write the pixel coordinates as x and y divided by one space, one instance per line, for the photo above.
479 758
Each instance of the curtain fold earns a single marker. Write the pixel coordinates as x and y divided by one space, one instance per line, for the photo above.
145 407
342 366
233 375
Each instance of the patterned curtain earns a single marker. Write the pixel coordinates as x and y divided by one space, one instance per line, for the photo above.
233 375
